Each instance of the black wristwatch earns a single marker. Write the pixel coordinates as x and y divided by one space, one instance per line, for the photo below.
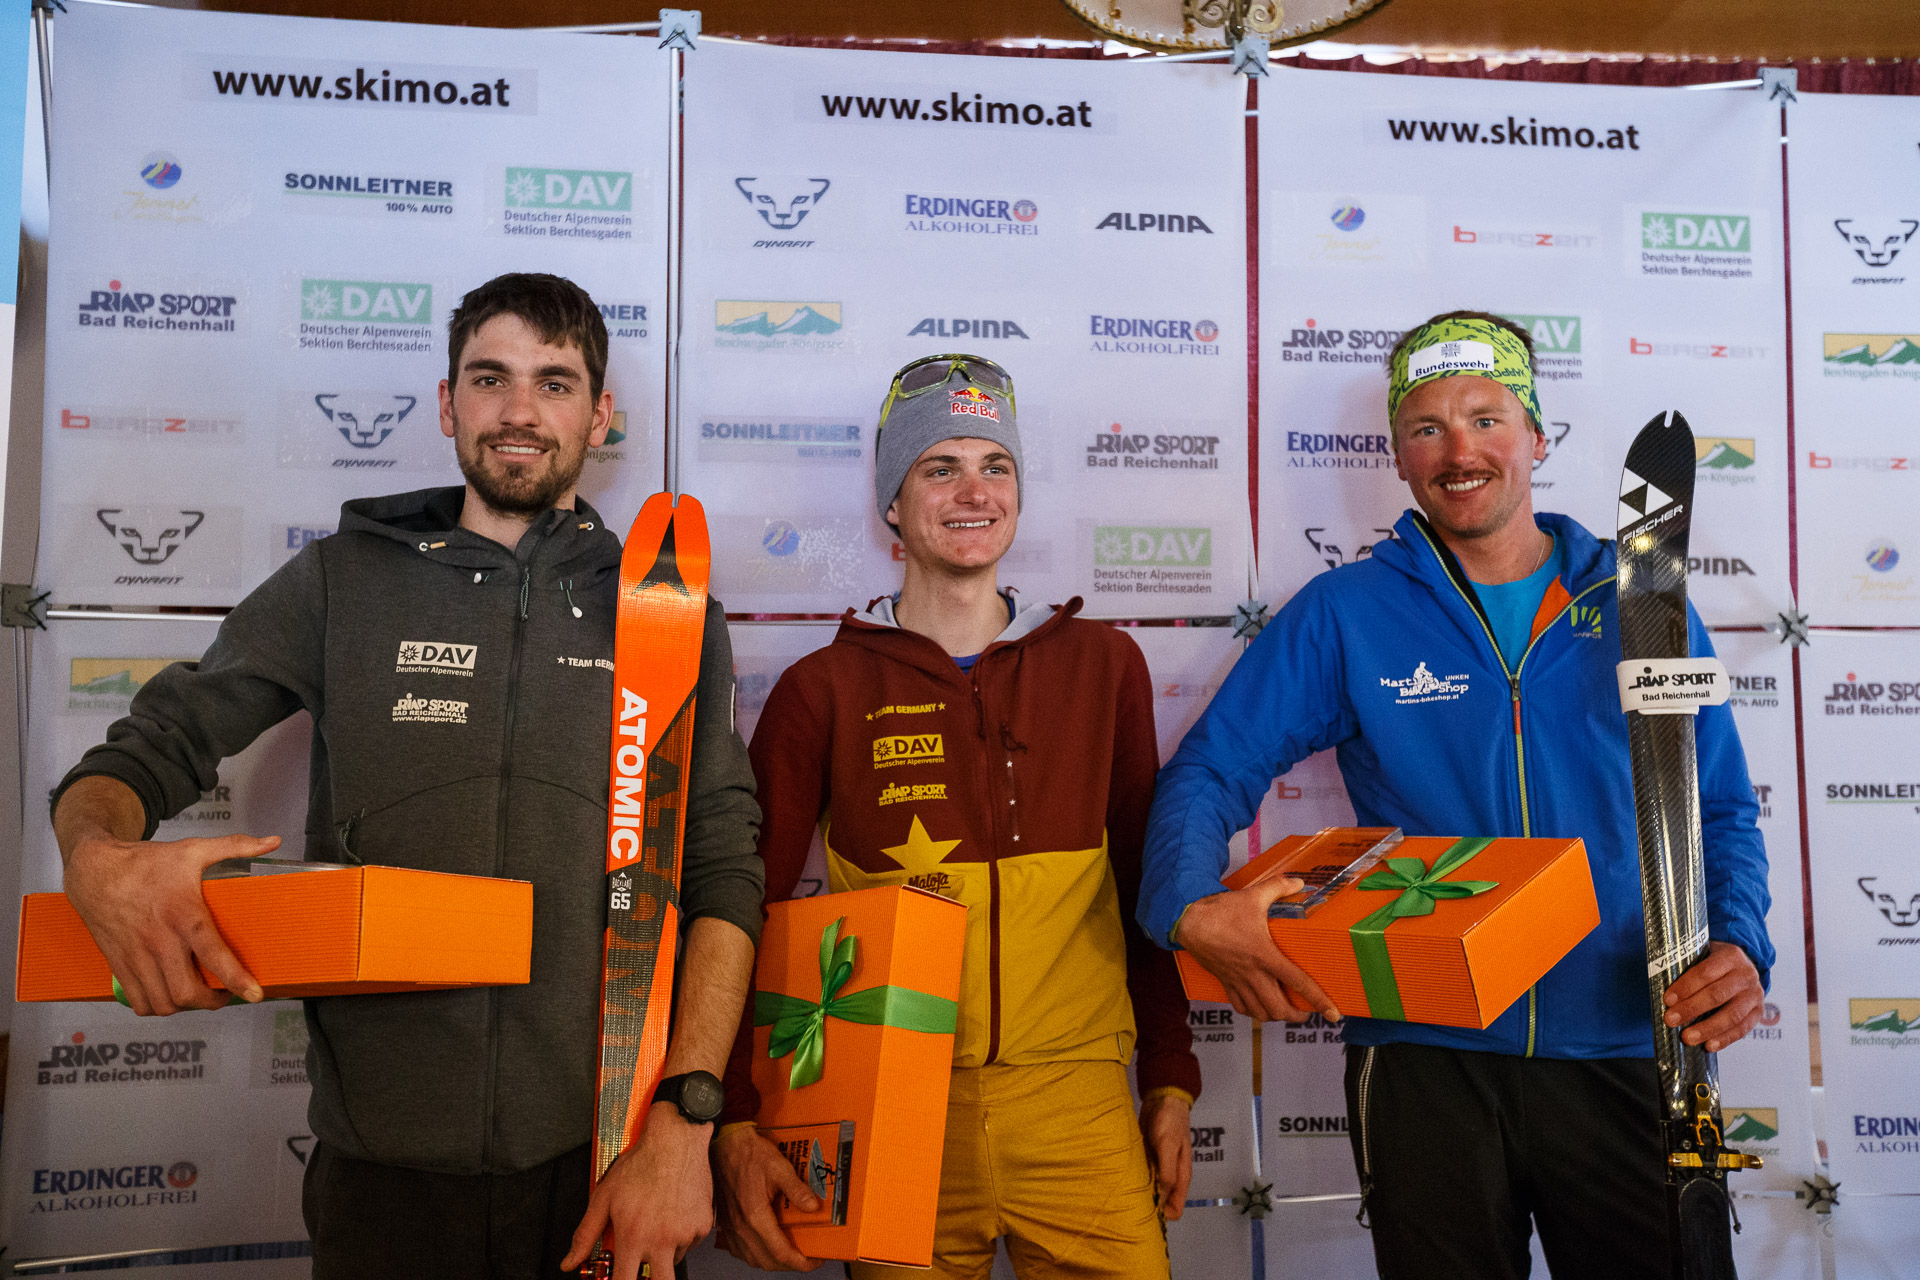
697 1094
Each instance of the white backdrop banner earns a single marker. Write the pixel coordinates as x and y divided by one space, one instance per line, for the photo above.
1861 701
1635 232
260 227
1080 224
1855 197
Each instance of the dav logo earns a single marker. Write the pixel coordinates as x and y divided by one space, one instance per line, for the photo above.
1424 686
599 189
973 402
1696 231
435 657
1552 335
378 301
901 748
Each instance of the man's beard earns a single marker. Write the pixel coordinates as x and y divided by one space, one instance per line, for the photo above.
518 491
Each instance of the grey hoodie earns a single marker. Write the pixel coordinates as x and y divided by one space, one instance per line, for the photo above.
488 760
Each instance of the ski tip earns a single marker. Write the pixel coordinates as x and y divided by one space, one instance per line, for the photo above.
1668 419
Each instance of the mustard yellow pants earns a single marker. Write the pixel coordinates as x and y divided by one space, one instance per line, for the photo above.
1049 1156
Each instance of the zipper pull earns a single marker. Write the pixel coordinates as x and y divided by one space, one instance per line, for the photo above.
526 583
979 712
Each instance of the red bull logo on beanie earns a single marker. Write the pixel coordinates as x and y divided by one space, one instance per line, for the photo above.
973 402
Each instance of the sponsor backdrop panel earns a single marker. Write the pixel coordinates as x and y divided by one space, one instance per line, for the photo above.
1080 224
258 235
1855 195
1635 232
1765 1078
1877 1239
1862 711
222 1095
14 36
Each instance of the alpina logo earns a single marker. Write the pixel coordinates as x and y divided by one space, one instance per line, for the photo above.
1424 686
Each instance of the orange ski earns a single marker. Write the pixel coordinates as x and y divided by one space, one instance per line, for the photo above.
656 663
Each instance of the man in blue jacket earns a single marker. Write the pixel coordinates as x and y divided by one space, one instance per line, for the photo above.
1464 675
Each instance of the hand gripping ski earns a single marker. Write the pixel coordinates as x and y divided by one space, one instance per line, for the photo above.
656 663
1656 506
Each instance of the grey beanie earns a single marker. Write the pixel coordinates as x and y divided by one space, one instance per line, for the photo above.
956 408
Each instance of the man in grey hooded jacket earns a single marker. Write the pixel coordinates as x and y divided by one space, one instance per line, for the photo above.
452 1125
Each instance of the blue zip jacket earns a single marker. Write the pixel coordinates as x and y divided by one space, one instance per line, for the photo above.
1390 662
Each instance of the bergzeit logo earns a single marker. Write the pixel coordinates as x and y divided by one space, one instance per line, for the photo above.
115 307
80 1062
368 195
1877 242
1574 239
148 423
1884 1022
1856 697
942 327
568 204
1423 686
1140 336
776 326
386 316
1696 245
1153 559
972 215
1313 343
1695 350
1118 449
783 203
1870 355
1556 345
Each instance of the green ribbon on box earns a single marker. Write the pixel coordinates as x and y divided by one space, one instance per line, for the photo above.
1419 886
800 1026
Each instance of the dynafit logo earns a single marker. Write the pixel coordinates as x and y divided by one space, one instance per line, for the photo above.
1876 242
372 301
149 535
1897 900
1708 232
594 189
783 203
364 419
1884 1021
1340 549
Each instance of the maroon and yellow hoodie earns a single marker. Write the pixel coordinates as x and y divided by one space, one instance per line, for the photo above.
1020 788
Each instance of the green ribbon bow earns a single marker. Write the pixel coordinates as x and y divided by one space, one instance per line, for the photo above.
1419 886
800 1026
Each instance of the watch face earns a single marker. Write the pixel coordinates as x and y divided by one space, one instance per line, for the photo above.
701 1095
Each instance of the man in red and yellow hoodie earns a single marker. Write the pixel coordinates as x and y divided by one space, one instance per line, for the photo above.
1003 757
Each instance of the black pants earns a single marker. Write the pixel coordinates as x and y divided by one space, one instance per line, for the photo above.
373 1221
1461 1155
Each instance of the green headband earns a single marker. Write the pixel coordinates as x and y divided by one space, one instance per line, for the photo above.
1448 348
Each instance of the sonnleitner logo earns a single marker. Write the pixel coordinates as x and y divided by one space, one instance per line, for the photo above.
1126 335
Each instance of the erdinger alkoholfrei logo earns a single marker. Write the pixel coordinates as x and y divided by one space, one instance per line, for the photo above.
149 535
365 419
783 202
1424 686
1876 241
1897 898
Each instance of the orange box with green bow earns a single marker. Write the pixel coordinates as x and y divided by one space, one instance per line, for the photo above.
855 1004
1436 929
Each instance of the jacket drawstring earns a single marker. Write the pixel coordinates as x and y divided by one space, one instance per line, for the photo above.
566 585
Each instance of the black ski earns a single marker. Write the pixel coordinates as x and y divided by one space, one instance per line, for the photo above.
1655 510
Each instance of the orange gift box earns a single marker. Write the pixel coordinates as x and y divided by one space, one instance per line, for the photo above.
1450 930
322 930
858 993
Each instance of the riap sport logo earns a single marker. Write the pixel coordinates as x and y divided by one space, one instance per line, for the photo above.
972 215
972 402
1870 355
578 204
1890 1022
409 709
119 307
121 1062
1312 342
1424 686
1138 335
1854 696
1120 449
